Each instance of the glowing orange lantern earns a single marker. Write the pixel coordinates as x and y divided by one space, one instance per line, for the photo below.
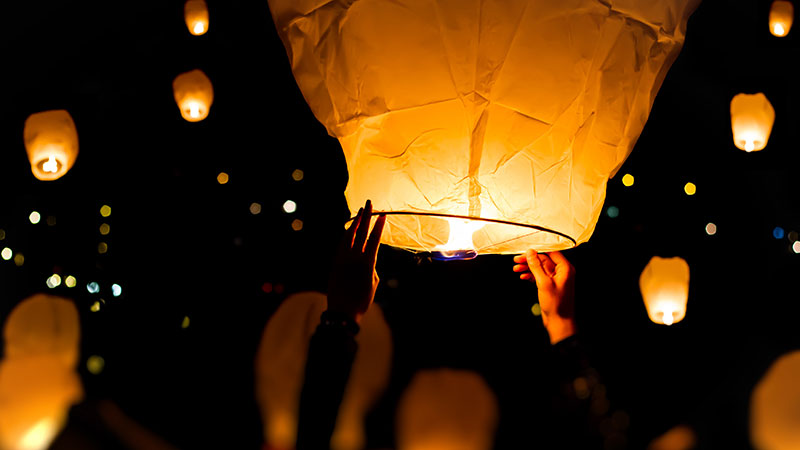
665 289
280 370
52 143
196 14
482 127
781 15
774 422
193 94
752 117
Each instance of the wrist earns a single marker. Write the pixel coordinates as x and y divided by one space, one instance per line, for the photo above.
560 328
337 320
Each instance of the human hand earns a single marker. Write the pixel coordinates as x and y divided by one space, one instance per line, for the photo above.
354 280
555 282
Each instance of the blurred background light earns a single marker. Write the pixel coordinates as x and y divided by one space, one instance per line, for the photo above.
95 364
70 281
690 188
35 217
255 208
297 175
93 287
627 180
116 290
612 212
6 253
778 233
222 178
711 229
289 206
105 210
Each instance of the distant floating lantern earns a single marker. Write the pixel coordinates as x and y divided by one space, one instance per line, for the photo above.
196 14
51 140
774 422
665 289
193 94
752 117
781 15
493 133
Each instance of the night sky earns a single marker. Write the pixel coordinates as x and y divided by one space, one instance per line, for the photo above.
183 245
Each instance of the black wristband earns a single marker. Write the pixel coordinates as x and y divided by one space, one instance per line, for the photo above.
336 320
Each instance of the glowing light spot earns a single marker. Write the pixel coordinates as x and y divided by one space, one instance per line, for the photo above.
289 206
70 281
199 28
778 233
51 221
459 243
102 248
297 224
223 178
778 30
39 435
536 309
19 259
255 208
116 290
51 165
95 364
54 281
95 307
6 253
581 388
612 212
749 146
2 234
194 110
105 229
796 247
667 318
690 188
93 287
627 180
105 211
35 217
297 175
711 229
185 322
266 287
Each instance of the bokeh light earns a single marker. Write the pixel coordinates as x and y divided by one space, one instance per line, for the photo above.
711 229
105 211
51 221
690 188
95 307
116 290
105 229
54 281
778 233
627 180
6 253
289 206
35 217
19 259
612 212
255 208
70 281
792 236
102 248
796 247
2 234
297 224
185 322
297 175
93 287
95 364
222 178
536 309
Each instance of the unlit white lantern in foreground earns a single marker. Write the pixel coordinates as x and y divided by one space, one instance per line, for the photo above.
280 370
513 114
781 16
51 141
775 406
752 117
195 12
665 289
194 95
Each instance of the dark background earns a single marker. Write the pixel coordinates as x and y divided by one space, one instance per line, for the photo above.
183 245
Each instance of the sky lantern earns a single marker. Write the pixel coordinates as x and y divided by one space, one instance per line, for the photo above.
446 409
38 382
482 127
665 289
196 14
781 15
774 419
752 117
280 370
51 140
193 94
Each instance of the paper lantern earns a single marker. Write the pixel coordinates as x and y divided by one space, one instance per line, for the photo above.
752 117
51 140
774 418
681 437
280 370
446 409
482 127
665 289
196 14
193 94
781 15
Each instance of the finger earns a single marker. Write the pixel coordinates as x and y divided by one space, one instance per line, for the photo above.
561 261
519 259
363 228
347 240
520 268
374 241
547 263
536 268
526 276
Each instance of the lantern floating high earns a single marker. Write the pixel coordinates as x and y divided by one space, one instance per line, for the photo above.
665 289
51 141
774 421
781 16
509 114
193 94
752 117
196 14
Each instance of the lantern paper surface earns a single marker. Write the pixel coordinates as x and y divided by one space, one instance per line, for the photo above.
51 140
446 409
193 94
665 289
752 117
196 14
512 114
781 16
280 370
774 406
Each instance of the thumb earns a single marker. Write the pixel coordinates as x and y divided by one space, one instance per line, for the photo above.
536 268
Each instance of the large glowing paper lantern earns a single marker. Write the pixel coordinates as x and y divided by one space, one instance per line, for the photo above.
193 94
38 383
774 418
781 15
446 409
196 14
665 289
280 370
752 117
52 143
482 127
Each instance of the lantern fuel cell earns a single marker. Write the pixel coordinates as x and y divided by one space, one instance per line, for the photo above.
193 94
665 289
51 141
752 117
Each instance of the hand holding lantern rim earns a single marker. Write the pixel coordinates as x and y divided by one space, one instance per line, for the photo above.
555 282
354 280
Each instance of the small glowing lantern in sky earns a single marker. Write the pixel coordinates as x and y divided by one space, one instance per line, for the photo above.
280 370
781 15
38 383
774 419
752 117
665 289
511 114
193 94
52 143
196 14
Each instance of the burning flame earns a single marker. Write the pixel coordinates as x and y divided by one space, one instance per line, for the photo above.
460 238
51 165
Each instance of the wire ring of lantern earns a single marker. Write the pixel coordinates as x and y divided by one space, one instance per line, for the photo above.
457 216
